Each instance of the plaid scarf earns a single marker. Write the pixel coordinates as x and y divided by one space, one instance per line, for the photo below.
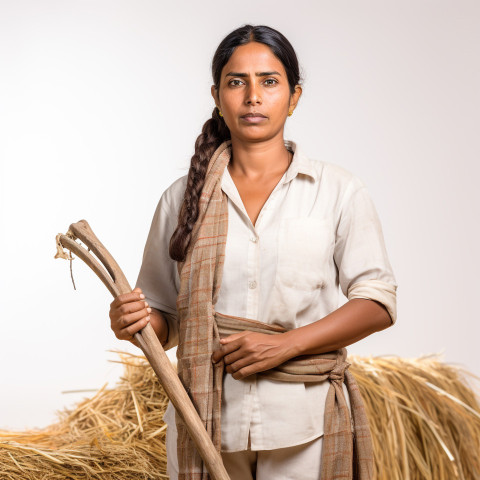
344 455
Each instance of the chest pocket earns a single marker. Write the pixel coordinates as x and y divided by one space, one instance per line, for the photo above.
305 252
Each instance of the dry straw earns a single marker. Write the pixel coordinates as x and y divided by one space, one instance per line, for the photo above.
424 416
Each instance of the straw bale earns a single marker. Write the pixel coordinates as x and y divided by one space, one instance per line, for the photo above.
424 415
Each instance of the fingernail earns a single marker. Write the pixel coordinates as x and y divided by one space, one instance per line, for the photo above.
146 304
148 318
142 295
149 310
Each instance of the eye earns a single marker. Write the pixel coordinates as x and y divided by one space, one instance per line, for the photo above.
231 82
273 80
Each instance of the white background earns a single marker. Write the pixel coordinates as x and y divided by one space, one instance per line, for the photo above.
100 105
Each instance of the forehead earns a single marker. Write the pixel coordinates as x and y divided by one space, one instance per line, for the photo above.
253 57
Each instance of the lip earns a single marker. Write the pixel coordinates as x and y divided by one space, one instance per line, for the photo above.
254 114
253 117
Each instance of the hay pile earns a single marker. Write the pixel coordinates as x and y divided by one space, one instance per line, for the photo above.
116 434
424 418
425 422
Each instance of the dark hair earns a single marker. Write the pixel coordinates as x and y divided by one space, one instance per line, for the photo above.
215 130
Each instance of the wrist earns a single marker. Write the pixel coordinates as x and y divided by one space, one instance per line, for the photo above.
159 325
293 344
135 342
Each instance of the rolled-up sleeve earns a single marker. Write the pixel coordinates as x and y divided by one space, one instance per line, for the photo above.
158 276
360 254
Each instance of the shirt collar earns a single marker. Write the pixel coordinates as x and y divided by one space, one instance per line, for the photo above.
300 164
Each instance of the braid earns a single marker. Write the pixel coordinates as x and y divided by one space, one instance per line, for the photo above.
214 133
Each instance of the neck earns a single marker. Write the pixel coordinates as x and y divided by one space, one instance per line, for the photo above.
257 160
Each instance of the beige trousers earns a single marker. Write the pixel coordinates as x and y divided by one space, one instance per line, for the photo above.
301 462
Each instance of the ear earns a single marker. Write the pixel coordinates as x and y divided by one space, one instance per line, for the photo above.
295 97
214 93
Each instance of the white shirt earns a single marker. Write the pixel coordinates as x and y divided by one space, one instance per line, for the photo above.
318 231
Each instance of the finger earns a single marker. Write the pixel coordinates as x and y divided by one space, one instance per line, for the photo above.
223 350
239 364
233 357
248 370
132 307
217 355
126 320
233 336
127 297
128 333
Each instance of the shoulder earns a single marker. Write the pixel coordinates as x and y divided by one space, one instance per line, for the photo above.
172 197
329 175
341 184
335 174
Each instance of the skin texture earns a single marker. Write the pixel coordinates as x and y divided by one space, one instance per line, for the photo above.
259 157
259 160
246 353
129 313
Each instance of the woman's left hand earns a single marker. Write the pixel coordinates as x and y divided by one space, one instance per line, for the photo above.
247 352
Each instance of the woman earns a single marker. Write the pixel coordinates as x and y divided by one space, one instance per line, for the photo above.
297 230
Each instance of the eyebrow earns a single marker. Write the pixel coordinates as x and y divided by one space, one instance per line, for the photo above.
257 74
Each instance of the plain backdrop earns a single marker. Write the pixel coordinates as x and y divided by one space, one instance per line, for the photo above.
101 103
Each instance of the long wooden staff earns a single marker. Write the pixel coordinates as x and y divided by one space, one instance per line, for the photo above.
114 279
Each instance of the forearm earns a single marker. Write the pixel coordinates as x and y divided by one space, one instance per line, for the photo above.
159 325
351 322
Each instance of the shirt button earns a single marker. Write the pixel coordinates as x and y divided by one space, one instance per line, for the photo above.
252 284
253 239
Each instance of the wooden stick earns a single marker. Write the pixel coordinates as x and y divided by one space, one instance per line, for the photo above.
114 279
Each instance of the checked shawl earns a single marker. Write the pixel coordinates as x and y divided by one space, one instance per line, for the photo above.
345 454
200 278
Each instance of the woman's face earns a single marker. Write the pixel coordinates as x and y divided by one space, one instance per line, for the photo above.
254 81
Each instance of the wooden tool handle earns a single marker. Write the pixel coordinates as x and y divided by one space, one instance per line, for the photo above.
117 284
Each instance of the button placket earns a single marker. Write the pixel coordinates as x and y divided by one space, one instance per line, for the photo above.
255 424
253 260
246 418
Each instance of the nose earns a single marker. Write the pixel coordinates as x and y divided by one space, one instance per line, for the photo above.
253 94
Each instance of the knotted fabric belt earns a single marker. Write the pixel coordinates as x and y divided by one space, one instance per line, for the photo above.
343 454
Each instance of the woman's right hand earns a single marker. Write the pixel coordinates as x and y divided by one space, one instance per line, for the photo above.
129 313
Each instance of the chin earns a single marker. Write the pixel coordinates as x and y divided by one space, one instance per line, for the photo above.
254 133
